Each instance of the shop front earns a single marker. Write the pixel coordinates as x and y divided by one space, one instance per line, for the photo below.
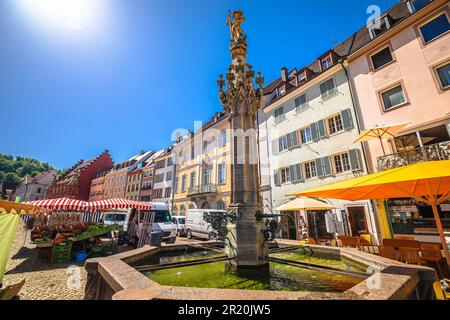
412 218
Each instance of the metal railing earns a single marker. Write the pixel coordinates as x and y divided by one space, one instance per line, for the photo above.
434 152
207 188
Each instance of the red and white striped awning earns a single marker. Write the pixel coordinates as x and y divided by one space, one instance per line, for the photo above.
93 206
60 204
116 204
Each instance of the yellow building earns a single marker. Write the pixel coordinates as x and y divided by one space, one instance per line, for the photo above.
203 177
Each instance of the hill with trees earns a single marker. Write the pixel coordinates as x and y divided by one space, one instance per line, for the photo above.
13 169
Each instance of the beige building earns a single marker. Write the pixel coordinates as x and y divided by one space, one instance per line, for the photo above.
163 178
34 188
203 177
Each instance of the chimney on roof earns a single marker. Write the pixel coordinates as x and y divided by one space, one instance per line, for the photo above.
284 74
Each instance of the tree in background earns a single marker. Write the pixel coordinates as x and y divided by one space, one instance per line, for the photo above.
13 170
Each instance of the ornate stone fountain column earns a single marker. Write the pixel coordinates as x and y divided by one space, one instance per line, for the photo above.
241 101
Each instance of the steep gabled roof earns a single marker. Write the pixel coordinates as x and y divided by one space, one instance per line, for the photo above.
358 40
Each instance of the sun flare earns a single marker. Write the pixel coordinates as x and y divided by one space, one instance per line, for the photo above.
70 14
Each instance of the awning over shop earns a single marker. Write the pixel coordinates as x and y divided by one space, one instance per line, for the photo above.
307 204
17 208
428 182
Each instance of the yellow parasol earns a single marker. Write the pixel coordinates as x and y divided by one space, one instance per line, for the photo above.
307 204
381 132
9 219
428 182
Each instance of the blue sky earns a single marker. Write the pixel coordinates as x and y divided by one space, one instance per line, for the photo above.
129 72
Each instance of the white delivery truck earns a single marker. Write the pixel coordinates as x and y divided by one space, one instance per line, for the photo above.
158 217
198 223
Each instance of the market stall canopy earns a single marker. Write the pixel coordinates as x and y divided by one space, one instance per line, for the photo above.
381 132
17 208
307 204
64 204
428 182
67 204
117 204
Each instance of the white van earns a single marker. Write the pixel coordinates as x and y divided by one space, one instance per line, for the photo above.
198 223
162 222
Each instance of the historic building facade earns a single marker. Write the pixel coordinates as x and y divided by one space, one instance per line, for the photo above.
203 168
76 181
97 186
115 183
147 177
307 135
34 188
163 178
400 74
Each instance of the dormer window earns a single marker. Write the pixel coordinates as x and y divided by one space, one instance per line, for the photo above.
416 5
281 91
379 26
301 78
326 63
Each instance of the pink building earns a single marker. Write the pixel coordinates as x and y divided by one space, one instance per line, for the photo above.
401 74
399 68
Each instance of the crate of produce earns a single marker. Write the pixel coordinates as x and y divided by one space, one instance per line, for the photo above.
96 251
61 252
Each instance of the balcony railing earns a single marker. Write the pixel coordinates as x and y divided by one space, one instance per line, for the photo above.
207 188
434 152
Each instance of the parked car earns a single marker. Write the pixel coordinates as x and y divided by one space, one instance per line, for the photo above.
198 223
180 221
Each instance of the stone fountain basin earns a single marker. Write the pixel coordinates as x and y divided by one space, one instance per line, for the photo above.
114 278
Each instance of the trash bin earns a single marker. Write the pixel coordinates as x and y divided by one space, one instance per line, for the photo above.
155 238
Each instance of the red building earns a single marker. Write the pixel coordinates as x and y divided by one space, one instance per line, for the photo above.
76 181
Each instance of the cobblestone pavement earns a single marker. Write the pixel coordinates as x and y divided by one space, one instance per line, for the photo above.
43 281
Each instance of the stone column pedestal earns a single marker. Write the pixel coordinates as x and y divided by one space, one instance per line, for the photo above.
246 247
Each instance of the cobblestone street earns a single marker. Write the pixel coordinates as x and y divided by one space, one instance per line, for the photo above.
43 281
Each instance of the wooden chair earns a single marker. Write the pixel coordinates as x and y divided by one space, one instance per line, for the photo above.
365 239
409 238
439 291
352 242
411 256
11 292
389 252
432 253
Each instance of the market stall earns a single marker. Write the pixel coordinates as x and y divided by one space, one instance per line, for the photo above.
68 231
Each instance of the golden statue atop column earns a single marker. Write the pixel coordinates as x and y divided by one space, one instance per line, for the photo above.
241 95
